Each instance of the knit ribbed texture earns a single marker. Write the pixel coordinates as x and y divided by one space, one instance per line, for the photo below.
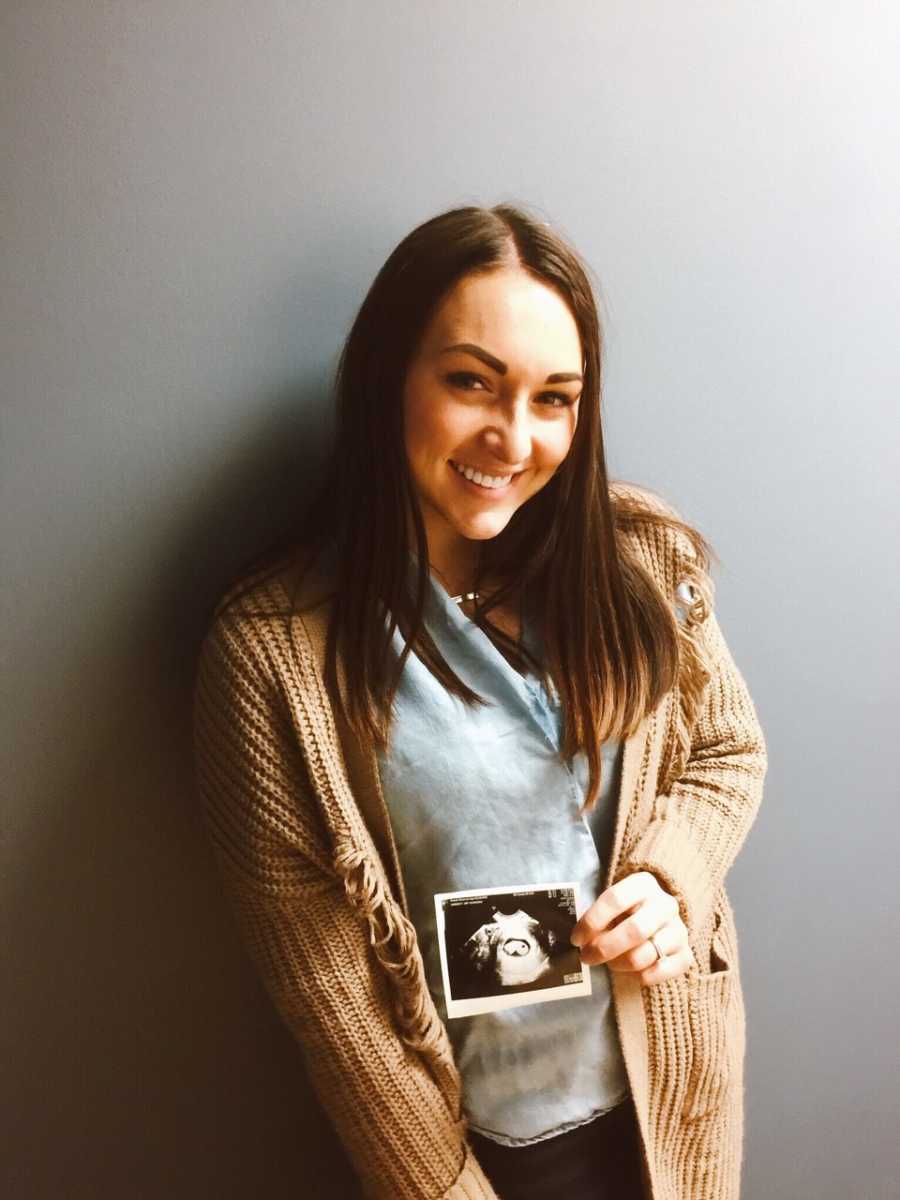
338 955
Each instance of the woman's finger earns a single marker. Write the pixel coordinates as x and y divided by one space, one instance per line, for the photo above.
669 940
632 931
620 898
668 967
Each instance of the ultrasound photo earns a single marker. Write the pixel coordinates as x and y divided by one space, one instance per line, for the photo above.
505 947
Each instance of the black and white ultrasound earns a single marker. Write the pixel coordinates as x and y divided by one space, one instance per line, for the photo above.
505 947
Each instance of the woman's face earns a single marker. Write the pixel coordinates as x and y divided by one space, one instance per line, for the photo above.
506 405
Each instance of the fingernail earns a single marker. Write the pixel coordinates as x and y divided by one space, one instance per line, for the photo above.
577 939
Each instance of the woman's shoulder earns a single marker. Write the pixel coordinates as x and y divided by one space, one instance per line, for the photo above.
678 556
295 582
639 510
633 502
264 609
640 493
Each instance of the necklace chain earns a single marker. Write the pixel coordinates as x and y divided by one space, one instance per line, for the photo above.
463 596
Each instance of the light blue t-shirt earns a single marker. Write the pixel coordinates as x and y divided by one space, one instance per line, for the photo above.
478 798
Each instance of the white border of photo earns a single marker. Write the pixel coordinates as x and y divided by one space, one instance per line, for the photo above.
484 1004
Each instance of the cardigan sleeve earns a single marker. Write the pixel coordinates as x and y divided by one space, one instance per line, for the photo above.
701 822
307 943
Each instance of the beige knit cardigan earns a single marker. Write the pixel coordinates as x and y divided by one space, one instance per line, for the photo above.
302 836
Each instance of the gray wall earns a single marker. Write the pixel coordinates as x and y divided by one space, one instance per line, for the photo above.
196 196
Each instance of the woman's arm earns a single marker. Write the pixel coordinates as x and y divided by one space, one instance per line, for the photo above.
308 943
700 824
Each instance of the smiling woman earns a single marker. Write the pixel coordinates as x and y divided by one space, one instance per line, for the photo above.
479 664
504 429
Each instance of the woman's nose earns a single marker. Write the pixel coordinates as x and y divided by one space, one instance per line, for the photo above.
510 436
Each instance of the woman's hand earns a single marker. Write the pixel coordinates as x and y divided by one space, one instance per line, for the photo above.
616 929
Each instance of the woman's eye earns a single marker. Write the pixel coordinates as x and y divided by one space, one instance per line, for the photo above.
463 378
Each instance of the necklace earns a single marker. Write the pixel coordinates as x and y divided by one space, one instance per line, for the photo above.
463 595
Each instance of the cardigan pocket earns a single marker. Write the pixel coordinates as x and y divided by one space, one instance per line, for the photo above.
714 1023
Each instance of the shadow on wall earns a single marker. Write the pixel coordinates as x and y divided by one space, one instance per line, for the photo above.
145 1058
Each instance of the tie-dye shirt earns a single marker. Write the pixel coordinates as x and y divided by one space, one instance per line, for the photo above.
479 798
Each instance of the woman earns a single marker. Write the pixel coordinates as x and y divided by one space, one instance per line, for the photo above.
478 665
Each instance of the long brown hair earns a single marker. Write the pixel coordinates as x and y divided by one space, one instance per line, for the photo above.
611 641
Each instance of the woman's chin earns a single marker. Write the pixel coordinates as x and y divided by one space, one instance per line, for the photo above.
483 526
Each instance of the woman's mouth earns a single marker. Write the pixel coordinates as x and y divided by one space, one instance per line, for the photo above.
480 484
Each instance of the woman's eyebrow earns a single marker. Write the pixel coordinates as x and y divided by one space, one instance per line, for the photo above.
500 367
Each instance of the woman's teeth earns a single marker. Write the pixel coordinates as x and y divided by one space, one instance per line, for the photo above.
486 481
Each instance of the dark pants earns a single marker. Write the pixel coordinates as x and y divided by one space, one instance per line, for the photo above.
596 1161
